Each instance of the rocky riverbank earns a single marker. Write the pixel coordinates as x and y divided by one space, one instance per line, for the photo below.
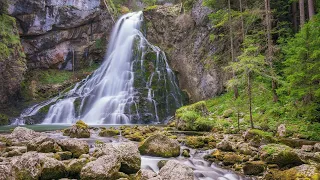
115 153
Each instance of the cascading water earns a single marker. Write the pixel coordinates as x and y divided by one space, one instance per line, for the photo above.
134 84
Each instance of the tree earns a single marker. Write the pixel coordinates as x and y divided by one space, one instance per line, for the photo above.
311 8
251 63
295 17
269 54
302 13
302 69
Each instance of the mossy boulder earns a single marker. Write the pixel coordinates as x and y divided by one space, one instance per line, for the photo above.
145 174
231 158
282 155
75 146
186 152
78 130
105 167
160 145
33 165
194 117
225 145
304 171
258 138
254 168
75 166
109 132
207 142
65 155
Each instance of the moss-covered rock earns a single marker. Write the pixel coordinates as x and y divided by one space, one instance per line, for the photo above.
282 155
186 152
258 138
161 163
193 117
175 170
77 147
75 166
225 145
254 168
109 132
65 155
79 130
160 145
304 171
207 142
231 158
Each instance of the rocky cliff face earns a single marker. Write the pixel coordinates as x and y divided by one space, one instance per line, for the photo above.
12 59
185 38
55 33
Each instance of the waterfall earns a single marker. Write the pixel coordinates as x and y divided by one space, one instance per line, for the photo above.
134 84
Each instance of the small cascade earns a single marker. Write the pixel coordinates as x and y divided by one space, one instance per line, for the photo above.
133 85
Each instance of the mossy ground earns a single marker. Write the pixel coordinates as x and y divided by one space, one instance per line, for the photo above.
267 116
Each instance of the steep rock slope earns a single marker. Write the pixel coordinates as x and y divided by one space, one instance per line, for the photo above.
186 39
57 32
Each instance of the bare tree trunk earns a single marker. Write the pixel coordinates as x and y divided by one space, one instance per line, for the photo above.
250 99
295 17
302 13
242 21
235 88
269 55
311 8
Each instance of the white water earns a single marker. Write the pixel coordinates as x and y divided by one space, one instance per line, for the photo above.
103 97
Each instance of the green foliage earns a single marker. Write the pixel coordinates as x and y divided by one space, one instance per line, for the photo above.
301 70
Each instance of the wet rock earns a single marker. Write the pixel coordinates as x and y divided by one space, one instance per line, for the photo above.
282 155
307 148
160 145
225 145
145 174
104 168
65 155
33 165
78 130
257 138
304 171
186 152
281 132
109 132
129 156
161 163
77 147
175 170
254 168
74 167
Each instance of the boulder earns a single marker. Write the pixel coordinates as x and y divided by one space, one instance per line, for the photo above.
109 132
186 152
6 171
33 165
127 152
145 174
317 147
161 163
75 146
175 170
254 168
160 145
282 155
224 145
307 148
231 158
74 167
43 144
78 130
64 155
15 151
104 168
245 148
22 135
281 132
257 138
130 157
304 171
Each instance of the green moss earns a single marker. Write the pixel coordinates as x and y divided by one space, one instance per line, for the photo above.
81 125
148 8
109 132
200 141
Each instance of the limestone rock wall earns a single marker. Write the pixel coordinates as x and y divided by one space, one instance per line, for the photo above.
185 37
56 32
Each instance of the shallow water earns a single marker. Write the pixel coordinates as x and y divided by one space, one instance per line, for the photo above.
203 170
